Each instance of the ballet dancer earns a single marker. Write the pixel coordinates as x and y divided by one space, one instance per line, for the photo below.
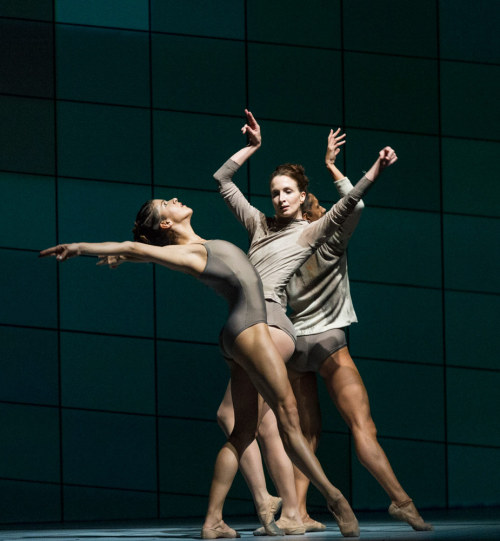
320 299
163 235
278 247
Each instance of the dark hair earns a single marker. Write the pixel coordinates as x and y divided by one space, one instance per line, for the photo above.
147 226
295 171
307 204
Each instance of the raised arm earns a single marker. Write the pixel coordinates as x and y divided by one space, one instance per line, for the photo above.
188 258
319 231
246 214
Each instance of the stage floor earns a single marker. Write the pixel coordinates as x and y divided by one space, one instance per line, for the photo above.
455 525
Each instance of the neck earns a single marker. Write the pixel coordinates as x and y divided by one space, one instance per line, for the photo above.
186 235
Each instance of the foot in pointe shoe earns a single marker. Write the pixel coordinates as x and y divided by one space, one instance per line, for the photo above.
219 530
266 517
287 526
407 512
344 517
312 525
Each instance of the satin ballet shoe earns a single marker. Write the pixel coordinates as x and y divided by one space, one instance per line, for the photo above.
223 530
287 526
348 528
407 512
312 525
266 517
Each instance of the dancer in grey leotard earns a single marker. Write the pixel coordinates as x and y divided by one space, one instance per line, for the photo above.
229 274
164 235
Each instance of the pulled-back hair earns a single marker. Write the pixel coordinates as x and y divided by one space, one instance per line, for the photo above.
307 204
295 171
147 226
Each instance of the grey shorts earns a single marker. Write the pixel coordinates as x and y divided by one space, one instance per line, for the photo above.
312 350
276 317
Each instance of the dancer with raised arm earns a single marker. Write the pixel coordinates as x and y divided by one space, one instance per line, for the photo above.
320 299
278 247
163 234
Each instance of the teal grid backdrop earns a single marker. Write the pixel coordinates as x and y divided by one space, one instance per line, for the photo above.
110 380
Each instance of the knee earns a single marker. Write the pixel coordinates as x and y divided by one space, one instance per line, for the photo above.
363 430
287 416
225 419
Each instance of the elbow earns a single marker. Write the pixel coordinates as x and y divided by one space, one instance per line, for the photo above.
361 205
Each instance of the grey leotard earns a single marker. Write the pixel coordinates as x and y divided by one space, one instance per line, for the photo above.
233 277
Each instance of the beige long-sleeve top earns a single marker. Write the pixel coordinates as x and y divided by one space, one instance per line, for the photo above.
279 247
318 293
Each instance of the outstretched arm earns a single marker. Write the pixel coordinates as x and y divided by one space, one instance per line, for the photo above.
386 157
320 230
188 258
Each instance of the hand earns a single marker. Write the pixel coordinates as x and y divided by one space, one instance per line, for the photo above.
252 130
61 251
113 261
335 141
387 156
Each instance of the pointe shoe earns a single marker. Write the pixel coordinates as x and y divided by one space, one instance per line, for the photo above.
407 512
266 517
312 525
222 530
287 526
348 528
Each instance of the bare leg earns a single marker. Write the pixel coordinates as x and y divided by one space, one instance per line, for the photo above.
305 389
246 411
251 461
278 463
348 392
267 371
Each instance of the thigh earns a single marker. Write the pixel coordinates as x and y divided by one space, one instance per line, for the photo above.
257 355
346 388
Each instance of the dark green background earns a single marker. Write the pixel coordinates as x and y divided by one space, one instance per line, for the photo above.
110 380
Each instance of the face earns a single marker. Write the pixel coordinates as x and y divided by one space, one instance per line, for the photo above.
286 197
316 210
171 211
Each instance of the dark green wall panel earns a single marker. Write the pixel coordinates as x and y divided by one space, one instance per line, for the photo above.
31 295
33 227
91 65
315 23
224 18
28 361
26 58
91 366
27 136
115 13
23 502
411 241
27 9
203 74
99 299
30 448
82 503
392 93
194 375
103 142
109 450
400 323
403 28
286 83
